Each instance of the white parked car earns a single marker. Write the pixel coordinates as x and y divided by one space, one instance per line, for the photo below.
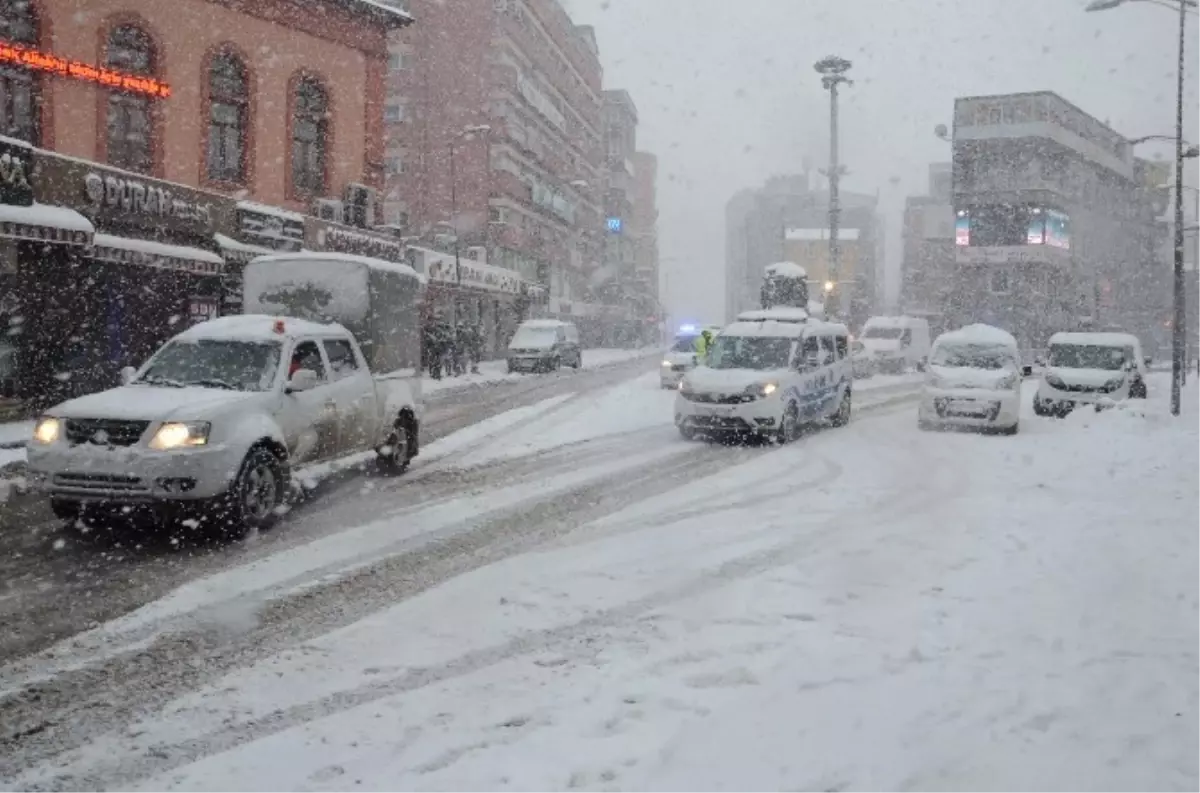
768 378
1091 369
897 343
215 422
973 380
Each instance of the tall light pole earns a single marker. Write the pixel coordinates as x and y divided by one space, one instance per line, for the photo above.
1178 340
832 69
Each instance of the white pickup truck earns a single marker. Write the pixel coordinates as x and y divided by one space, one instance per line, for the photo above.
214 423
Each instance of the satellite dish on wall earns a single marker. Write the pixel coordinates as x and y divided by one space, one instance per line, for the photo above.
941 131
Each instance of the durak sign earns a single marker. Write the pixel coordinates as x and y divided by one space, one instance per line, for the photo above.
140 198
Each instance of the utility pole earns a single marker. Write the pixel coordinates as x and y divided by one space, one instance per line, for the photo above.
832 69
1179 331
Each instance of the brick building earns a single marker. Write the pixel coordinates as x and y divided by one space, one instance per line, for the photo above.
154 146
493 149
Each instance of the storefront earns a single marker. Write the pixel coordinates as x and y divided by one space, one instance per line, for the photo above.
473 292
103 292
258 230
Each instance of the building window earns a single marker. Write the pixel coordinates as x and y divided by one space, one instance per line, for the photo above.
228 106
395 112
310 132
130 126
19 96
397 61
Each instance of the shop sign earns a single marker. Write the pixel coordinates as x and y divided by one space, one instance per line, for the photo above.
16 172
324 236
474 274
141 198
202 309
29 58
1008 254
269 230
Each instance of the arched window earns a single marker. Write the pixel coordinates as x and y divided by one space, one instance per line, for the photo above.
310 131
19 96
228 106
130 125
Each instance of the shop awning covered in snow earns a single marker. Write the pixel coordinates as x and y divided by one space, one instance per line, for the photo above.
45 223
237 252
125 250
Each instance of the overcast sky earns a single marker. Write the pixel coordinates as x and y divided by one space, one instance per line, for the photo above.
727 95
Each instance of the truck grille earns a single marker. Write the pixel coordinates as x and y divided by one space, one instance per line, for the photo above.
720 399
105 432
106 483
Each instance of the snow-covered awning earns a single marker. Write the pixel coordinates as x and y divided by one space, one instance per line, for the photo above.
240 252
125 250
45 223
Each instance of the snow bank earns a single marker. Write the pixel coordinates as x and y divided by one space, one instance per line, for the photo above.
497 371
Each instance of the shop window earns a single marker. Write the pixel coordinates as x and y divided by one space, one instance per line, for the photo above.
228 112
19 96
310 132
130 125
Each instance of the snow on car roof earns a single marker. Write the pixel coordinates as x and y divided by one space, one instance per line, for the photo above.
257 327
790 269
889 322
790 330
978 333
779 313
382 265
544 323
1095 339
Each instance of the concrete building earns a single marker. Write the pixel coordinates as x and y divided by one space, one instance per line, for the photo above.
927 266
787 220
617 283
494 148
1056 223
645 229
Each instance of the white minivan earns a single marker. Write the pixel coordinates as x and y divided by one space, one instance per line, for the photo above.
768 379
1090 368
897 343
974 380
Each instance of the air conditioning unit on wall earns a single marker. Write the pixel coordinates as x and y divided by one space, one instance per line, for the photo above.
477 253
360 205
329 209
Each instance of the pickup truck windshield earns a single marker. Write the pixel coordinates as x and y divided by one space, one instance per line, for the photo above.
234 365
750 352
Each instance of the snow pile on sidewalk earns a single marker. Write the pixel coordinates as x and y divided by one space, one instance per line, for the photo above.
497 371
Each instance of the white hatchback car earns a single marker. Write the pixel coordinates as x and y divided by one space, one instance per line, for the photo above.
973 380
1092 369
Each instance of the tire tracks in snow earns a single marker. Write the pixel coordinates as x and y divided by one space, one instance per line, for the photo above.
297 619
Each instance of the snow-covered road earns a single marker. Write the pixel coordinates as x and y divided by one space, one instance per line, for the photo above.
595 603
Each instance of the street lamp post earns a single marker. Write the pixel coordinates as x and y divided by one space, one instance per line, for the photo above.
833 73
464 133
1177 331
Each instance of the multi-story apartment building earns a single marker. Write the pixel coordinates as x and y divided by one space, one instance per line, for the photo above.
927 235
785 220
493 117
152 147
1055 221
644 228
620 285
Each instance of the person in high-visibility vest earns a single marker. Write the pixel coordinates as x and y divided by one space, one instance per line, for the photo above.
702 343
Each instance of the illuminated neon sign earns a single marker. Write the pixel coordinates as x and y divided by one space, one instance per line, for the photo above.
614 225
78 70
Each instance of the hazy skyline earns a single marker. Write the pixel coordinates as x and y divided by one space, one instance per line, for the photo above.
726 95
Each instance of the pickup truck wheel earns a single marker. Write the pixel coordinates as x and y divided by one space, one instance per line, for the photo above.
393 456
254 498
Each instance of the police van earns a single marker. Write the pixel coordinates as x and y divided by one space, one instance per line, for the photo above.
768 378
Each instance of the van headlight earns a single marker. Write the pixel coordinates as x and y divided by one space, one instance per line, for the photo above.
1114 384
1054 381
666 364
761 390
180 435
47 430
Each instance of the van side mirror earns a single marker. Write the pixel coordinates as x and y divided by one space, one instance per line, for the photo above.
302 380
127 375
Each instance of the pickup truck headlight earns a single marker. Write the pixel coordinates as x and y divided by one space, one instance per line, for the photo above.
180 435
47 430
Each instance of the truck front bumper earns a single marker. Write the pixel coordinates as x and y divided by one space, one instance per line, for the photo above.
88 473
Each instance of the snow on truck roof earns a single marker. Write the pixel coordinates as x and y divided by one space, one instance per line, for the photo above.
779 314
786 330
257 327
790 269
381 265
892 322
978 334
1095 339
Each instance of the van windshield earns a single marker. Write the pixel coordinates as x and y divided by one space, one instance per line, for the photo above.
684 344
750 352
973 356
1088 356
534 337
883 333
